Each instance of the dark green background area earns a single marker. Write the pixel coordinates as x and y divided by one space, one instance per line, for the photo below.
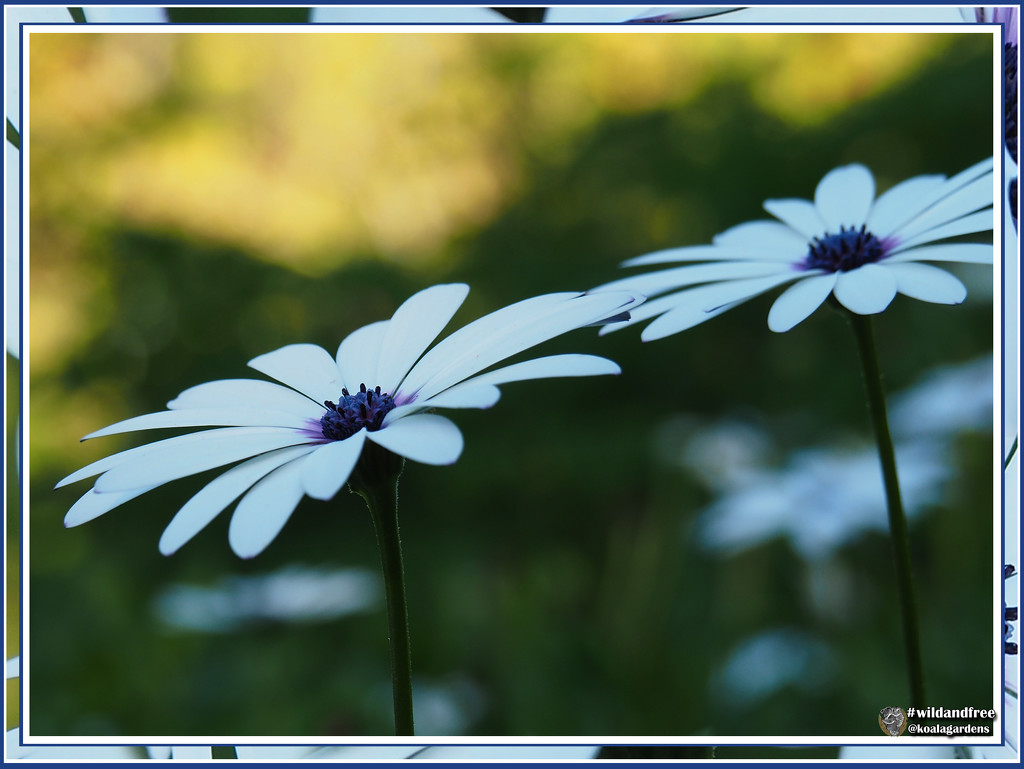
554 565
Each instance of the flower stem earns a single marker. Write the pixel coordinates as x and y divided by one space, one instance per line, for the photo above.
380 491
864 332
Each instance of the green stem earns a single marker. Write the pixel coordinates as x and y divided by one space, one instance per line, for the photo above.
864 332
380 490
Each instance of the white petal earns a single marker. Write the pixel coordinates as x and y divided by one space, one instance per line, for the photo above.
504 333
462 396
249 393
764 237
327 470
697 305
799 215
960 202
546 368
308 368
740 290
900 203
480 391
965 225
465 396
649 310
866 290
265 509
799 300
948 187
681 318
967 253
186 455
844 196
449 350
658 282
704 253
427 438
102 465
359 355
413 327
238 417
208 503
927 283
971 173
93 504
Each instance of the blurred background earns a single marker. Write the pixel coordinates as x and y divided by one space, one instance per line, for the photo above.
696 547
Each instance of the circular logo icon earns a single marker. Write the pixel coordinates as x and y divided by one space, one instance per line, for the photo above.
893 721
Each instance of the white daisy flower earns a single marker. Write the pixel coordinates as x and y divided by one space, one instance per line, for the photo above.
846 244
305 435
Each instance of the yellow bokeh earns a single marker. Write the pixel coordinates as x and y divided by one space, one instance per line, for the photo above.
306 146
309 149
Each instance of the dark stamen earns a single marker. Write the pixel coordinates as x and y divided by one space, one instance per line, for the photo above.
354 412
844 251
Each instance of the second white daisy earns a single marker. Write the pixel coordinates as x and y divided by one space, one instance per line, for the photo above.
846 243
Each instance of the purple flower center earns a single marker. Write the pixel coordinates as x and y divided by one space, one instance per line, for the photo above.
367 408
847 250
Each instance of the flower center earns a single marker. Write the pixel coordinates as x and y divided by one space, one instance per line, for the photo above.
847 250
367 408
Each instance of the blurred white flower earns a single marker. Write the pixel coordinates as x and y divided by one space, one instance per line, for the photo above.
823 497
846 244
947 400
724 454
770 661
306 435
290 595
